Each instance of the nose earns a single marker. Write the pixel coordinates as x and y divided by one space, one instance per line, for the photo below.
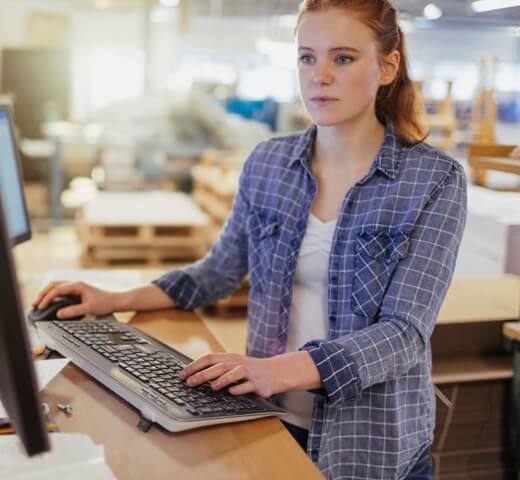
322 74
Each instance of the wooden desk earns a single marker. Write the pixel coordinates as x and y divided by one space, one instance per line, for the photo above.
258 449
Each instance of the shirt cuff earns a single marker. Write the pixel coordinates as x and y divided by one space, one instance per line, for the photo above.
180 287
338 371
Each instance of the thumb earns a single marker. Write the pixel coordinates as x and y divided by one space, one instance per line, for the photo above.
72 311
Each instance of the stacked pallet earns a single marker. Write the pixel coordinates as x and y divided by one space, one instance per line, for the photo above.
438 117
152 229
215 182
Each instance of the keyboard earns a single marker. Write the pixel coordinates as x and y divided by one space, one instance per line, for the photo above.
145 372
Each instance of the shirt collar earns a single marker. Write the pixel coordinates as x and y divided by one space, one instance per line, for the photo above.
388 159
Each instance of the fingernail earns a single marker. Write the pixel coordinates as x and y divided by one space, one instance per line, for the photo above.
191 381
182 375
215 385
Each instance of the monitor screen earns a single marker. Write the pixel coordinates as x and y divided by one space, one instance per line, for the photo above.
18 387
11 182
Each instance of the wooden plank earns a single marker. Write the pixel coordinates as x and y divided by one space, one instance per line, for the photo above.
502 164
512 330
144 208
460 369
153 256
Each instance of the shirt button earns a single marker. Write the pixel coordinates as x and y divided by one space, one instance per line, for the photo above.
334 279
332 318
341 238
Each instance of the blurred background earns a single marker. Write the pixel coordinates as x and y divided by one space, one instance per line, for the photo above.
134 118
116 100
127 103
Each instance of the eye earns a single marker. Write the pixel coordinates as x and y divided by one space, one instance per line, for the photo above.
306 58
343 59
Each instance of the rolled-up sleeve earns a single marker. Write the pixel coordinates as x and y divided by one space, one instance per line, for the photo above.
221 271
397 341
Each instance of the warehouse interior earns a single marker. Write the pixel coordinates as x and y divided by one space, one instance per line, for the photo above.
133 119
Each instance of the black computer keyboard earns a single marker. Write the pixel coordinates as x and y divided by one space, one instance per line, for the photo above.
155 368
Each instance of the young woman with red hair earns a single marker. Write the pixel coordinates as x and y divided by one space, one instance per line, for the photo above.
349 233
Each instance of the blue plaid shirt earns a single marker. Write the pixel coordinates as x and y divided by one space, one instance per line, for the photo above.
391 262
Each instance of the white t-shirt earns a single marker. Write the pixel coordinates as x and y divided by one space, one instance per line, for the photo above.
308 319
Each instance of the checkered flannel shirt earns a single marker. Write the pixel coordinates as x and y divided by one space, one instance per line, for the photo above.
391 262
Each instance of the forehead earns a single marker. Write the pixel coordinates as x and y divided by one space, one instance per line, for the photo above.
333 27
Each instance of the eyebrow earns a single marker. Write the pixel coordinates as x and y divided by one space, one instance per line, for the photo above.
335 49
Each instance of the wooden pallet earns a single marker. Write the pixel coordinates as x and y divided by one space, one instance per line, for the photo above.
215 187
142 228
104 257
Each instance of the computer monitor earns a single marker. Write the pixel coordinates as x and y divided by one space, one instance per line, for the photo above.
11 181
18 386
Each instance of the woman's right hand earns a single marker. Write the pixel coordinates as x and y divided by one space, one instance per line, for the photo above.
94 301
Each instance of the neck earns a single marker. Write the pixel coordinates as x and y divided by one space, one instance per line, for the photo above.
354 142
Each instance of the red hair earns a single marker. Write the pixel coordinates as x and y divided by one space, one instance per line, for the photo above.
398 100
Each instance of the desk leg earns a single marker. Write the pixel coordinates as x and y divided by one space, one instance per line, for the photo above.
514 411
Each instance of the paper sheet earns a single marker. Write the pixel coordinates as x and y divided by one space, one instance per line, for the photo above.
73 456
46 370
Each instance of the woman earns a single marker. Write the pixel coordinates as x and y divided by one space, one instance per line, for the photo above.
349 232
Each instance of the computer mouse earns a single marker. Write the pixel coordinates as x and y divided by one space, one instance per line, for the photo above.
49 313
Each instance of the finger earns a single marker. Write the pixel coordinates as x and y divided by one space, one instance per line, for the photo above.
243 388
236 374
203 362
44 292
72 311
59 290
208 374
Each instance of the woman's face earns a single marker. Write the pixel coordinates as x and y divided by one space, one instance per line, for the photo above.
339 66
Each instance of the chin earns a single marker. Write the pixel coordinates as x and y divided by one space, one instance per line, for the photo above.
328 120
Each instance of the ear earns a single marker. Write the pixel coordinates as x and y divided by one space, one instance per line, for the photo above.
390 67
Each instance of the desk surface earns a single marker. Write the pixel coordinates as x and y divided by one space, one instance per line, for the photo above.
258 449
481 299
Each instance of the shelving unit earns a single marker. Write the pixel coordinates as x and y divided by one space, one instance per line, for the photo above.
472 374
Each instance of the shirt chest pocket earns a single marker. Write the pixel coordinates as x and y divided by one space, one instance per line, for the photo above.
263 233
376 258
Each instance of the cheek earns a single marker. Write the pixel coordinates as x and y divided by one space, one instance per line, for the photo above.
364 80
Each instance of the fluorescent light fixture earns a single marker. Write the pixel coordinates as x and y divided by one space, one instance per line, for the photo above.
488 5
169 3
432 12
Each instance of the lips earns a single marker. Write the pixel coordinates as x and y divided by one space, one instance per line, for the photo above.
323 100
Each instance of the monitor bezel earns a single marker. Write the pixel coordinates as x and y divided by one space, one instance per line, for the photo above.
17 239
18 380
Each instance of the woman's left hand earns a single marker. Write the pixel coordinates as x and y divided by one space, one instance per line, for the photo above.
263 376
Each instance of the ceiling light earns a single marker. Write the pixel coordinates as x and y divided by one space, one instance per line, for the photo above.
487 5
103 3
432 12
169 3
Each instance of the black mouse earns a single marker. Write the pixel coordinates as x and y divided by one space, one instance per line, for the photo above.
49 313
